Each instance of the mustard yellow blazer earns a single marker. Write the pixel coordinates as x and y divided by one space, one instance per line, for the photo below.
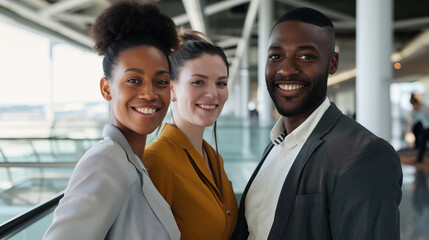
204 208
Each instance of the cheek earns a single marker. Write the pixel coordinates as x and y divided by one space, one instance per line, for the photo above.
269 70
165 96
225 96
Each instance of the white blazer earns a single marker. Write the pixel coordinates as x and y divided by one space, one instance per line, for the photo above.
110 196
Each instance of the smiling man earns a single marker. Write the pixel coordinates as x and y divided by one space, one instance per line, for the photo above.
323 176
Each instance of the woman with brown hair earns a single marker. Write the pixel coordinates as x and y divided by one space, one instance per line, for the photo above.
186 170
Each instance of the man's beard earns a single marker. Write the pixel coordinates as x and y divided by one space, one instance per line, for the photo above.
313 98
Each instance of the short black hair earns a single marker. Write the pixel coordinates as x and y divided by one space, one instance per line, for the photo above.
307 15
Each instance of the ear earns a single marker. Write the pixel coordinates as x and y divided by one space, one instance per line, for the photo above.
172 91
105 88
333 64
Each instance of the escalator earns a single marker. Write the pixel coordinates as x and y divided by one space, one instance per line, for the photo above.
32 224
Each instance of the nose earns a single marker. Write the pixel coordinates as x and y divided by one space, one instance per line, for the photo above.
212 91
147 91
288 68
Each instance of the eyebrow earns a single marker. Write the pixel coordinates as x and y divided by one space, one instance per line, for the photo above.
307 47
140 71
199 75
274 47
206 77
137 70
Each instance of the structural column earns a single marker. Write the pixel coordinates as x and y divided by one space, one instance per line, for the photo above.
374 71
244 83
49 107
265 22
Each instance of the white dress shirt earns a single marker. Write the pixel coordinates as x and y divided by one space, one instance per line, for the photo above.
263 195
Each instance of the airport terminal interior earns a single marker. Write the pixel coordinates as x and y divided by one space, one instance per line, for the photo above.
51 109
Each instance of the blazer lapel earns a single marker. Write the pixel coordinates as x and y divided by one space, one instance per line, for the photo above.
289 190
159 206
157 203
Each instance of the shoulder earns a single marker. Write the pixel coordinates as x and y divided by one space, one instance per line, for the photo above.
160 154
161 148
347 131
349 143
107 160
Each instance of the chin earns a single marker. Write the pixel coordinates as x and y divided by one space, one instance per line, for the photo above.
205 123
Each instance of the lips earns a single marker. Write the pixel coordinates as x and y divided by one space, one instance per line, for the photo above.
207 106
145 110
290 87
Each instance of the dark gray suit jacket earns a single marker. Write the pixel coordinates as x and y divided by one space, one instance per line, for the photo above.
345 183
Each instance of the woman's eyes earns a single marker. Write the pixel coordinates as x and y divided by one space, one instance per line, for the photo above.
158 82
197 82
200 83
162 82
133 80
222 84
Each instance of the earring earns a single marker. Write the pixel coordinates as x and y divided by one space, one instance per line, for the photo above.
173 99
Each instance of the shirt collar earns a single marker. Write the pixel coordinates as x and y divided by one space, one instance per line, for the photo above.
176 135
301 133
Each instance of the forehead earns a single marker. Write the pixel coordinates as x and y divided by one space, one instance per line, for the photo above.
206 63
295 33
143 56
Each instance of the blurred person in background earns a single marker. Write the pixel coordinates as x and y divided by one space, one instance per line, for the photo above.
420 126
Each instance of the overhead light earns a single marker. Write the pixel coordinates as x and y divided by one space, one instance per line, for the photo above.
397 65
342 76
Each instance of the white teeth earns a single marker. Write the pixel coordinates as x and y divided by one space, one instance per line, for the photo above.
146 110
208 106
290 87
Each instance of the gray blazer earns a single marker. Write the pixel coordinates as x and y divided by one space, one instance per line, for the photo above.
110 196
345 183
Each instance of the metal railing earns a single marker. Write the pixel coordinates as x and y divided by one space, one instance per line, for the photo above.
21 222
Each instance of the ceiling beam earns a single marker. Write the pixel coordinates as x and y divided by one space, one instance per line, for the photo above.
35 17
411 23
210 10
229 42
244 41
79 19
64 6
328 12
194 11
412 47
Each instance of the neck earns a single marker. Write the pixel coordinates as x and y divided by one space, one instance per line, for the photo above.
137 142
291 123
192 132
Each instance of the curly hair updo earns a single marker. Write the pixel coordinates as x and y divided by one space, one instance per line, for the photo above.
127 24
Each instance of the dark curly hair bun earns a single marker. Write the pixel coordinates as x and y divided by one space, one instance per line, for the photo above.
132 19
